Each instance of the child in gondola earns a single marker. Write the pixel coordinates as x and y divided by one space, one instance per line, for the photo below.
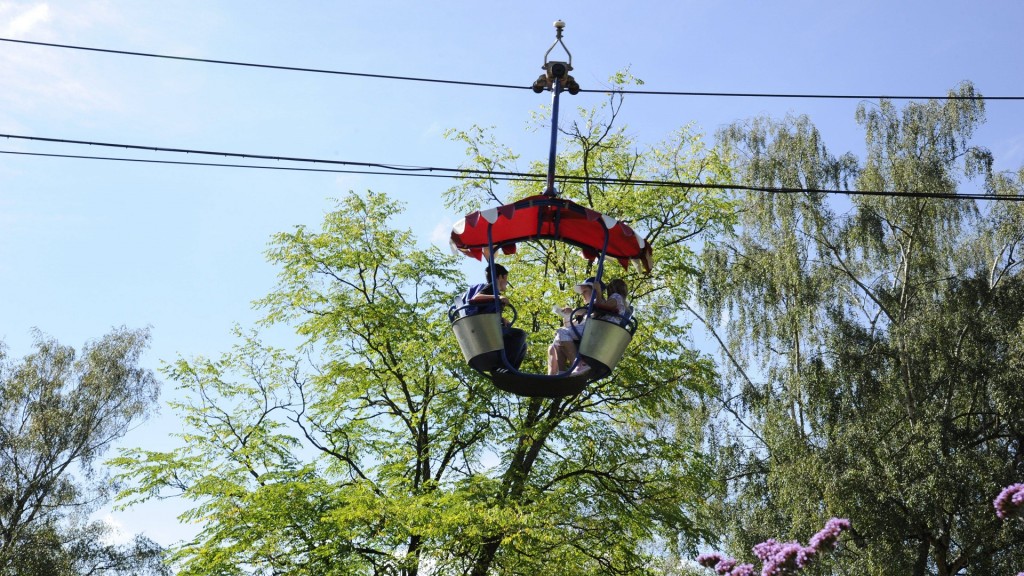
566 343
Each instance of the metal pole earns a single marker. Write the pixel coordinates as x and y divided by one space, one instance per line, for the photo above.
555 91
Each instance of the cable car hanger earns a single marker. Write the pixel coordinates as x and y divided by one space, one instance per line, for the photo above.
483 233
555 78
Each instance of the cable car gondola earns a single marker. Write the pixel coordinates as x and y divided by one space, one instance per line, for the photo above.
545 217
483 233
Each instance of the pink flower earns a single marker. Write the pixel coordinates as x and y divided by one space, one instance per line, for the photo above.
828 536
725 566
805 555
711 560
744 570
782 559
1010 501
767 549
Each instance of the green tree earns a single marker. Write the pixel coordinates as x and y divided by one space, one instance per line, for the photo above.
873 342
59 413
375 450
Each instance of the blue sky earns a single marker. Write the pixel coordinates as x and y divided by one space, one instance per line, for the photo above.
88 245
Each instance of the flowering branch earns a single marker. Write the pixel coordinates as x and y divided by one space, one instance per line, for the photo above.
780 559
1010 501
788 558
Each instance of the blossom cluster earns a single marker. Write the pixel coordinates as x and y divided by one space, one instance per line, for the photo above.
1010 501
779 558
725 566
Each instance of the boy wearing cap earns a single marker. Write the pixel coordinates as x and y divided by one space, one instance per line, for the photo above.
481 298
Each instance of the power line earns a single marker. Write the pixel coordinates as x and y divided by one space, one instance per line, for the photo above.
507 86
440 172
269 66
253 166
804 96
396 167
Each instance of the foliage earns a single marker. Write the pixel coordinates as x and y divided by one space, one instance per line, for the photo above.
374 449
59 413
874 343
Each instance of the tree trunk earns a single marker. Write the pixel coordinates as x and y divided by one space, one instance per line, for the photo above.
514 479
483 561
921 565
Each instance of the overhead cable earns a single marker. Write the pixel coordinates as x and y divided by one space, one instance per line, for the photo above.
227 165
805 96
270 66
512 86
439 172
396 167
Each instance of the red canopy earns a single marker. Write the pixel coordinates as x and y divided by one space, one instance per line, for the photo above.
549 217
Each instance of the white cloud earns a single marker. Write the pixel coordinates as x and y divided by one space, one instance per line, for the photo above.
348 182
432 132
42 78
1010 153
24 21
116 535
441 234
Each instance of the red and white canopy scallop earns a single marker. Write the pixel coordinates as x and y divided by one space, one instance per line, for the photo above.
549 218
